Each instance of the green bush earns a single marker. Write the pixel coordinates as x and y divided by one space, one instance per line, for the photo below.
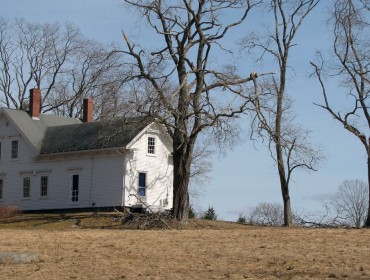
241 219
209 214
192 213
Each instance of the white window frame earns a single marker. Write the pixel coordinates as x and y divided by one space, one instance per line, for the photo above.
75 194
145 186
151 147
14 152
1 189
44 194
24 187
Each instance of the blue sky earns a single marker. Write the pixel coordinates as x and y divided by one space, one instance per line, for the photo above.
245 176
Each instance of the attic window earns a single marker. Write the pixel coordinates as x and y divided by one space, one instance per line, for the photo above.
151 145
14 150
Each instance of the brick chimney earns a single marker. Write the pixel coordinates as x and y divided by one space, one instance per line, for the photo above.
88 108
35 103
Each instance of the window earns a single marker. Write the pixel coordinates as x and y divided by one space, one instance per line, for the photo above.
75 183
151 145
1 188
142 184
44 186
14 151
26 186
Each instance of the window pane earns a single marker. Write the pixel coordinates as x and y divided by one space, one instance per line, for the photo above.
26 187
44 186
75 183
142 184
1 188
151 145
14 151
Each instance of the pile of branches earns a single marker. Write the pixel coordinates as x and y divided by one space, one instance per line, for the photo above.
147 220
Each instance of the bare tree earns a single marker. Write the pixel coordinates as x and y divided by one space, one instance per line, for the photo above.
177 82
350 19
201 164
96 72
273 119
346 208
60 61
33 55
351 203
266 214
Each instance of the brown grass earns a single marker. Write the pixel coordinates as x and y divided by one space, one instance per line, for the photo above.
207 250
8 211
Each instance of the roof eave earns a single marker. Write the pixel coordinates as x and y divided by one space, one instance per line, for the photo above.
129 145
93 152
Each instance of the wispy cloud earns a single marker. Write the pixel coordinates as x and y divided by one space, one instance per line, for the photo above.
320 197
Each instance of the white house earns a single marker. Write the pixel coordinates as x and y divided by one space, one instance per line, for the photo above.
54 162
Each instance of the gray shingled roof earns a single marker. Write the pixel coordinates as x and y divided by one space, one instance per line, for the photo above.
33 129
92 136
56 134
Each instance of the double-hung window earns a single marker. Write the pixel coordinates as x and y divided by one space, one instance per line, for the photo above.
14 150
75 187
26 187
1 188
44 186
142 184
151 145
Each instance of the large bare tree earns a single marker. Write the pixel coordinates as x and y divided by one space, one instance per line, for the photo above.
180 82
351 65
273 119
57 59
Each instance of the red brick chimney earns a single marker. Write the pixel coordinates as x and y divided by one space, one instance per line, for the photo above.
35 103
88 108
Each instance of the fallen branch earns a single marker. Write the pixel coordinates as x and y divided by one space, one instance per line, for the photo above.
151 211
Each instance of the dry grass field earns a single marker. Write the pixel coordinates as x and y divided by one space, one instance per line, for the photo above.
203 250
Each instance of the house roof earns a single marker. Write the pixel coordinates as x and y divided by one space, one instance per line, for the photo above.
93 135
34 130
56 134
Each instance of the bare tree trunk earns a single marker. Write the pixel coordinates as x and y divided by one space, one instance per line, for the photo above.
274 118
181 196
182 158
287 206
284 187
284 184
367 222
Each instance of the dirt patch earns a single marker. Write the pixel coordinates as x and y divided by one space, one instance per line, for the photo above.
206 250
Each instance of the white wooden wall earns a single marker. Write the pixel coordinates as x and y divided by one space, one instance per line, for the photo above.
100 178
102 181
158 169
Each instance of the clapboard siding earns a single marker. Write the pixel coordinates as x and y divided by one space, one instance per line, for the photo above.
107 182
158 169
100 183
105 178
